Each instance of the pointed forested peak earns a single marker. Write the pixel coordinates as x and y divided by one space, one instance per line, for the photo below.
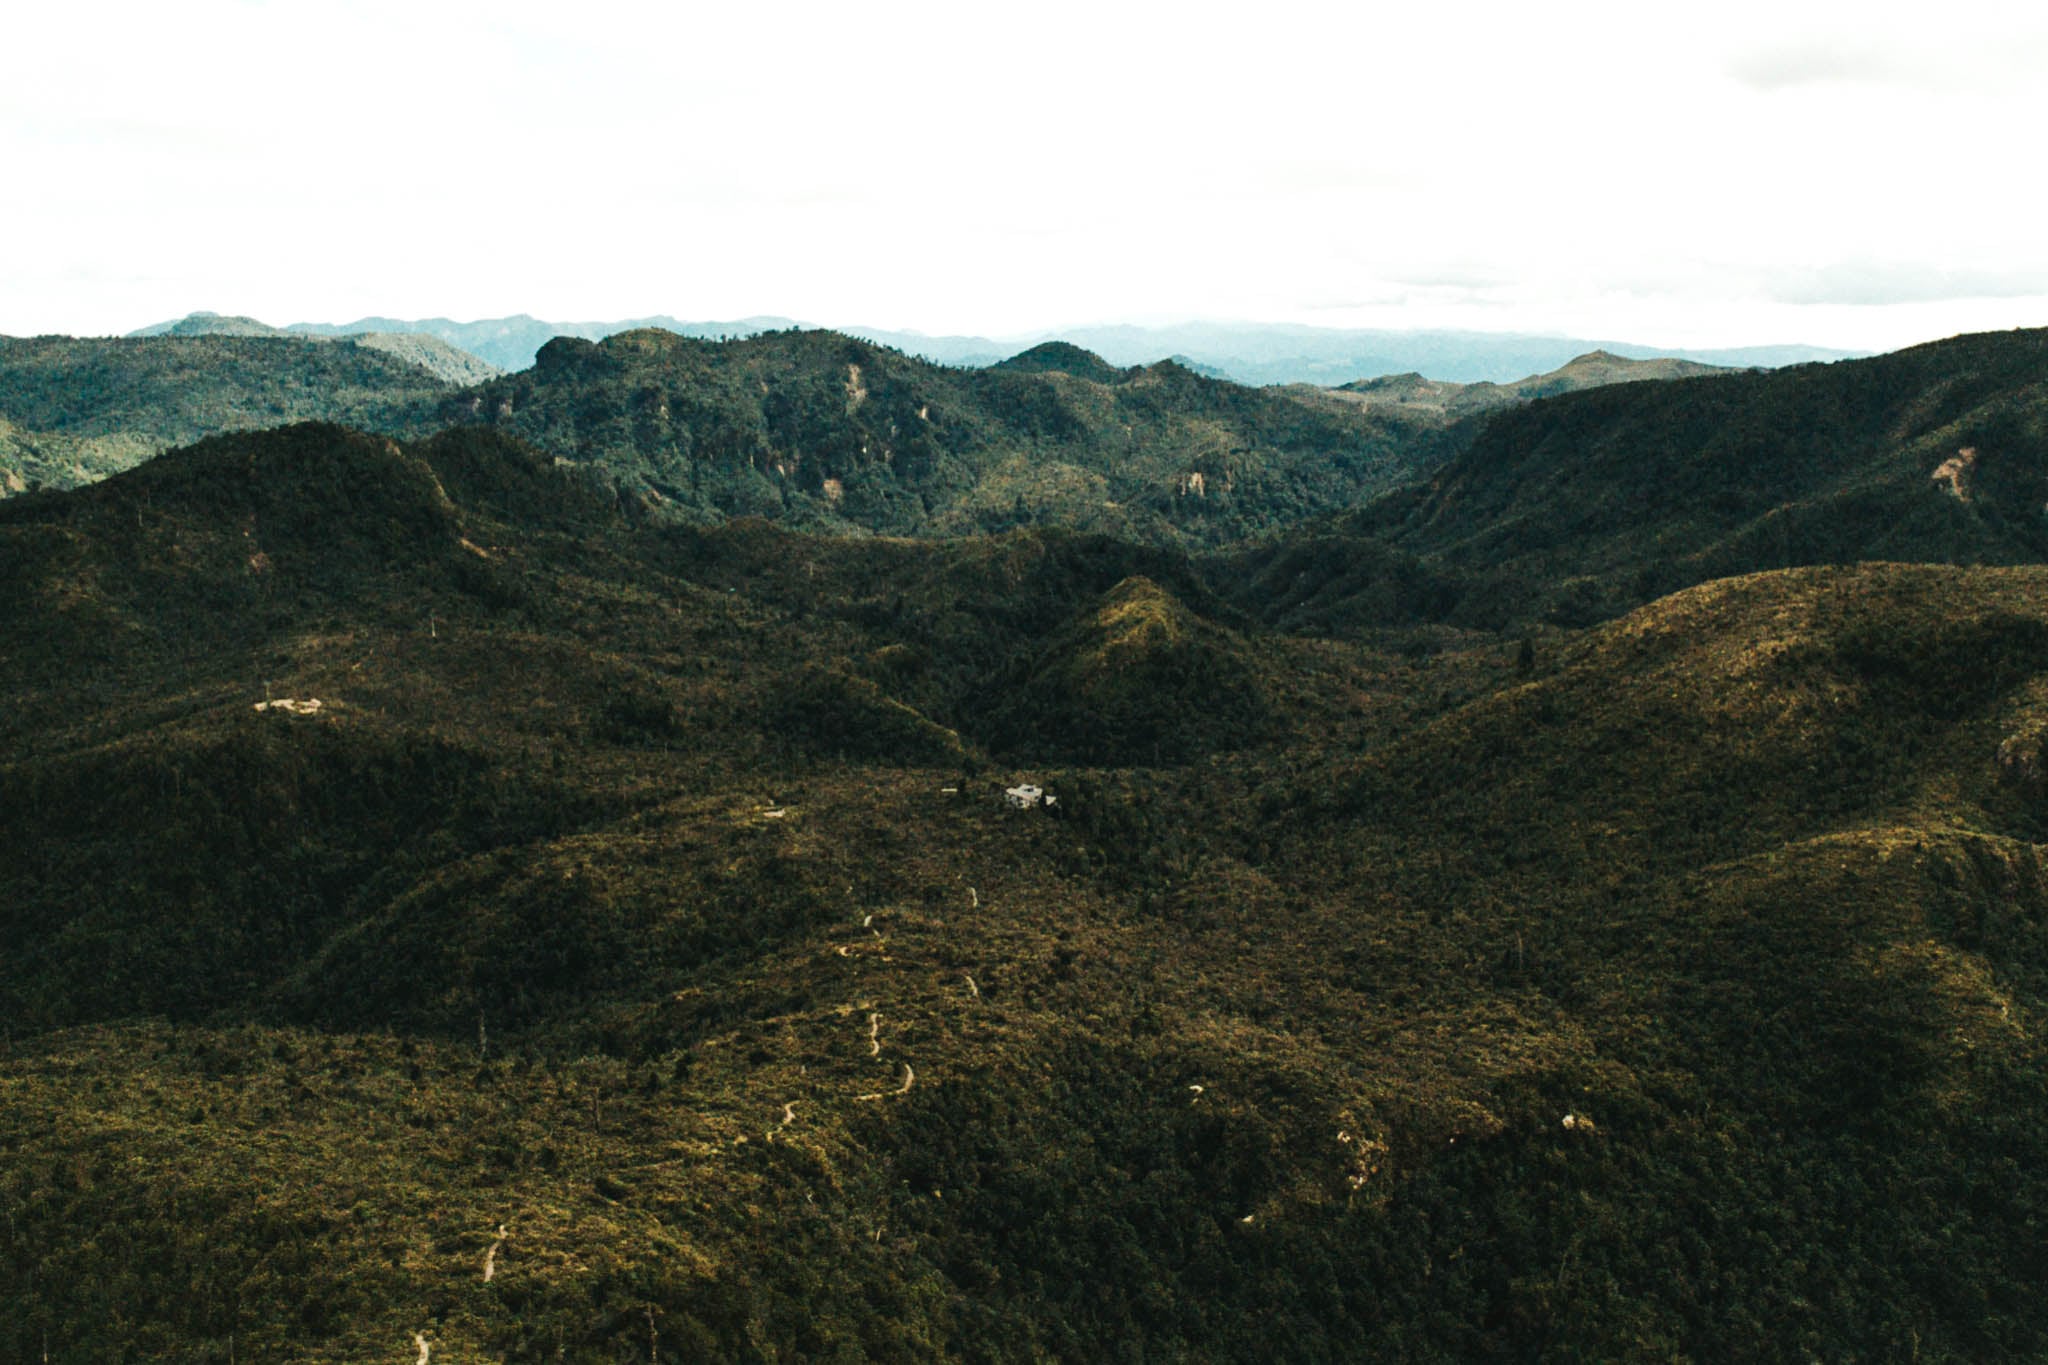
1062 357
1137 676
1138 611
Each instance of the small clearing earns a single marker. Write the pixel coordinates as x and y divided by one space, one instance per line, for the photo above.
1954 473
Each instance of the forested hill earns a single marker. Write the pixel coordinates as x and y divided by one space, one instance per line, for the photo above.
1578 507
1571 508
814 429
829 432
442 908
81 408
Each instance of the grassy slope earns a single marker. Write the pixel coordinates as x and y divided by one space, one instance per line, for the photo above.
608 844
1412 393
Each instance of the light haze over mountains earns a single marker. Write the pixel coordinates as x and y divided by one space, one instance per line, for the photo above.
1250 353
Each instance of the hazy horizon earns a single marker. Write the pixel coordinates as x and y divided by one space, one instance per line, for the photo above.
1804 174
1031 335
1026 336
1249 353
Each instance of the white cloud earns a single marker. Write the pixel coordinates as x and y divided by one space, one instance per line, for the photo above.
1952 50
1717 175
1819 61
1882 283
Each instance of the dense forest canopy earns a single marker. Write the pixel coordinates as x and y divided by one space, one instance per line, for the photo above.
517 874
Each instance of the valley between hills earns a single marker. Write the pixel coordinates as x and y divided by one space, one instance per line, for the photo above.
1538 871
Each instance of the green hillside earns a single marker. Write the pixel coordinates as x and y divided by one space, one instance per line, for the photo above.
814 429
826 432
1060 357
429 353
41 459
1583 505
633 954
817 430
89 406
1572 509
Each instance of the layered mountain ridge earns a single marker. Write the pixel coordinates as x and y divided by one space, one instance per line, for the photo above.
1248 353
1578 507
453 895
833 433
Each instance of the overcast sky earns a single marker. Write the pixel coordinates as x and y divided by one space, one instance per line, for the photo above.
1860 175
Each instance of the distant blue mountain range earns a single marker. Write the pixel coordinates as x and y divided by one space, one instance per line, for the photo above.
1251 353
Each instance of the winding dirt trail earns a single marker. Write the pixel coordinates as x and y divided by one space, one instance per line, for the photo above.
909 1079
491 1256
